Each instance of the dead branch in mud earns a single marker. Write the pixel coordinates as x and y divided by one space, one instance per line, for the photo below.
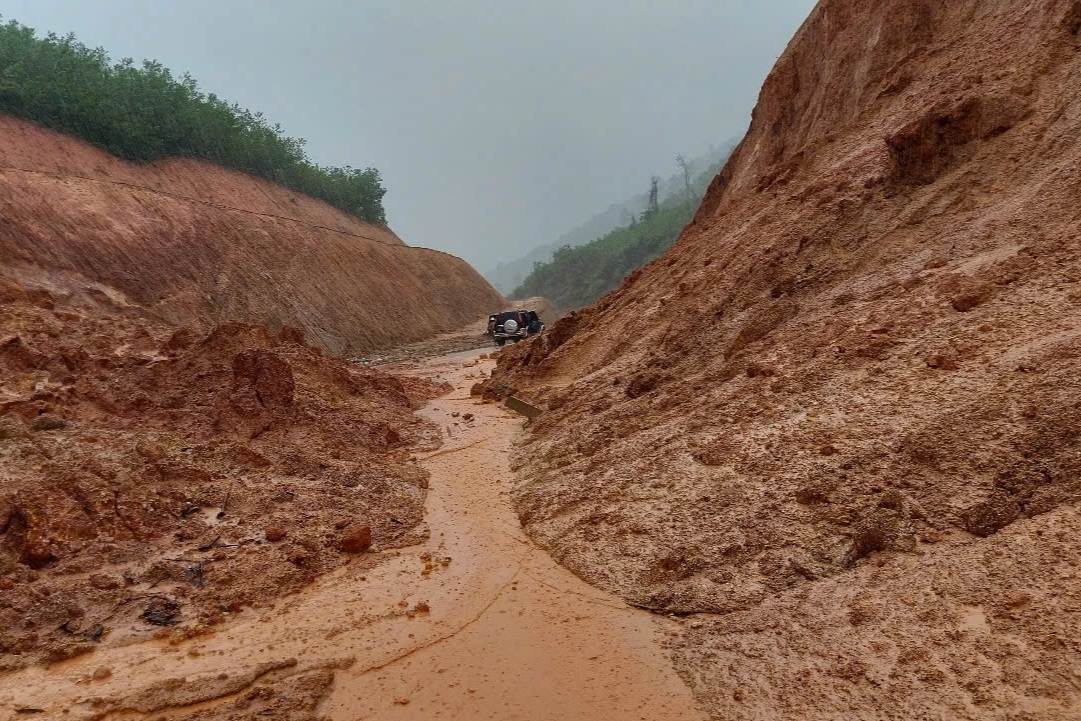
224 504
210 546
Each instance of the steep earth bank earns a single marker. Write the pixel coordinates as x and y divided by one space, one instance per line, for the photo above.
198 245
838 424
157 482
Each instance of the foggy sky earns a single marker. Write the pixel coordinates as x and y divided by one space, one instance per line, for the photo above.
497 126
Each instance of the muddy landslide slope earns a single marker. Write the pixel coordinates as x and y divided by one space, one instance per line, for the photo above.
156 482
837 425
199 245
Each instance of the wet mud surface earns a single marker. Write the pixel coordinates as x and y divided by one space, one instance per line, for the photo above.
476 622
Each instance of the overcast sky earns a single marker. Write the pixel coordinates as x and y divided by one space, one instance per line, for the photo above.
497 125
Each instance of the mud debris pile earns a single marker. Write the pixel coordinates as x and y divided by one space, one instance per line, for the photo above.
837 425
156 481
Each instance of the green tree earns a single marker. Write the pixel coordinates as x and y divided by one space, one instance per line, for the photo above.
143 113
653 204
578 276
682 163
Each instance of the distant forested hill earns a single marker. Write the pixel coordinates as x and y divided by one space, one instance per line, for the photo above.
578 275
143 113
506 277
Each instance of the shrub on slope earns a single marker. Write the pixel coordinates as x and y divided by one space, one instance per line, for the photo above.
143 113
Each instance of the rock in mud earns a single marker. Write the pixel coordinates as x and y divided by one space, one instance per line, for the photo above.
991 515
162 611
48 422
943 361
356 538
15 353
245 456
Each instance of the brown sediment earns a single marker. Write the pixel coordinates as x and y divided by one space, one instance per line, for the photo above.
475 622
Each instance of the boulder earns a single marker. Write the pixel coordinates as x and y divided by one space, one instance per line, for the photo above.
356 538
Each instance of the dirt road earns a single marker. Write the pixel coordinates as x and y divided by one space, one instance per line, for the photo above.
466 338
477 623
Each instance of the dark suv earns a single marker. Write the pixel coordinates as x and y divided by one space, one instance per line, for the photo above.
514 325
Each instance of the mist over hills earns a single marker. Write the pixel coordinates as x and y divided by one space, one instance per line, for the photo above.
508 276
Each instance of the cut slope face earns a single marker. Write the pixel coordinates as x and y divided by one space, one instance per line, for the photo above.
842 412
198 245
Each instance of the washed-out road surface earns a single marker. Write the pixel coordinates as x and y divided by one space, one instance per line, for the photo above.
475 623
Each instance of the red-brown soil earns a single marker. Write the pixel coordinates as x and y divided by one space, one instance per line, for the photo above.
472 622
155 481
837 426
198 245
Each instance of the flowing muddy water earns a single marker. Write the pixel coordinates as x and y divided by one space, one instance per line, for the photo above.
476 623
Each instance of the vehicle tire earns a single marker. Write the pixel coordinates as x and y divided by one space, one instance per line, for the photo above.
500 342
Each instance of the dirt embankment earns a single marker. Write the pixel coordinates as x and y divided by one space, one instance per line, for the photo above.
155 481
838 423
198 245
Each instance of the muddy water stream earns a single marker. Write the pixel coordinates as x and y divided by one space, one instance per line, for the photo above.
477 623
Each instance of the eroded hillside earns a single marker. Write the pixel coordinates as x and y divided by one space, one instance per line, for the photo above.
198 245
837 424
